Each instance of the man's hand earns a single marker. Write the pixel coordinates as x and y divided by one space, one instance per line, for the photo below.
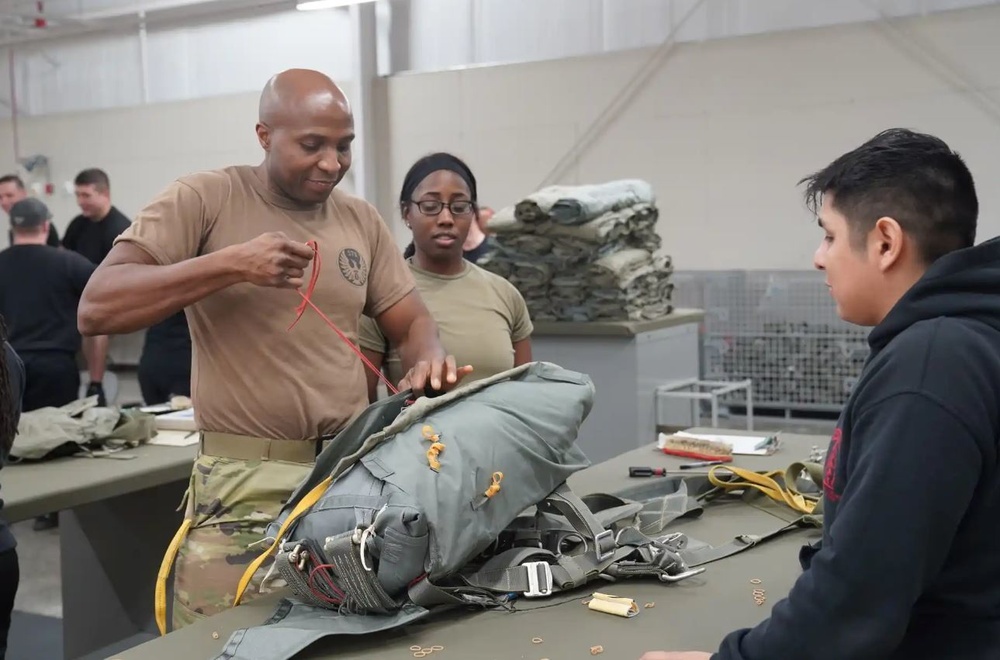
274 260
676 655
428 377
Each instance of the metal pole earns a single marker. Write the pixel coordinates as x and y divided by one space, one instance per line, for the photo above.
12 70
365 71
143 57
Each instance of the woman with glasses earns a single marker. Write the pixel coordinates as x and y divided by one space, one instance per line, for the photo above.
482 318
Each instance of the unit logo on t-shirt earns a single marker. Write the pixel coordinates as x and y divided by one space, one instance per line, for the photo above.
353 266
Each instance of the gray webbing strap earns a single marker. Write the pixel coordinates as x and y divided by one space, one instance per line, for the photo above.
532 572
698 556
360 585
583 520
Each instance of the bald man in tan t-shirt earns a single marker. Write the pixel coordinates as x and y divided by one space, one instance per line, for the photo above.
228 246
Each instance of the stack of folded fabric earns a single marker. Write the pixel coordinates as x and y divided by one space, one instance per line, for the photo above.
585 253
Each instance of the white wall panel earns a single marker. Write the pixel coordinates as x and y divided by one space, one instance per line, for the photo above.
239 57
183 63
541 29
723 130
80 75
205 60
441 34
508 31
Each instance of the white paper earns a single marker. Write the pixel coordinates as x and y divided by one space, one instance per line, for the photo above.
744 445
180 420
157 409
174 438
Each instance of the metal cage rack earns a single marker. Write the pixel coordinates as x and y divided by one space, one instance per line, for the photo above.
779 329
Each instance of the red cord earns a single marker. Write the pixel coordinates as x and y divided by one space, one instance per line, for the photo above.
307 302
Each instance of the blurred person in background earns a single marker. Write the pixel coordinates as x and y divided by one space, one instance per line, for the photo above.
12 190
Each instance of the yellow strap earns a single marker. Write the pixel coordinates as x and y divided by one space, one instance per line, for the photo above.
304 505
160 594
765 483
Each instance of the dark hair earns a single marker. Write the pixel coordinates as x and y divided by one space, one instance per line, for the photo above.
430 164
9 405
914 178
420 170
93 177
12 178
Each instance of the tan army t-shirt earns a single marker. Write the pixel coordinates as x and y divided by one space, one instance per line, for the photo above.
250 375
479 316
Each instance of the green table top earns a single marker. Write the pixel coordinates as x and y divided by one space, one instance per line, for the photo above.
615 328
690 615
34 489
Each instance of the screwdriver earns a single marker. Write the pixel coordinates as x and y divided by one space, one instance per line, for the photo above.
647 472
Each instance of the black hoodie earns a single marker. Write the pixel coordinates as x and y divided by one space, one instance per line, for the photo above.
909 564
15 372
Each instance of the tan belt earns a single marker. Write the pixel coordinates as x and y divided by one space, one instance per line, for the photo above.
248 448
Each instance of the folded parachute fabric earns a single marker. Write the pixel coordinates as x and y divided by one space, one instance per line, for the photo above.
584 253
79 427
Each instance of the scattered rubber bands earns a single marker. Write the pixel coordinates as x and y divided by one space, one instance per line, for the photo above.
424 651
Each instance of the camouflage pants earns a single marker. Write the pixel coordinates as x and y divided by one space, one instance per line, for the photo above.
230 503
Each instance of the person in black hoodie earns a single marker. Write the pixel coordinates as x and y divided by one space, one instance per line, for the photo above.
909 562
11 392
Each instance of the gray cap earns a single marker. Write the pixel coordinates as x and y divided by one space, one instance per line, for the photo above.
28 213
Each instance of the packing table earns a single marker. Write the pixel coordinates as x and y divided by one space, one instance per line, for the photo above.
116 518
690 615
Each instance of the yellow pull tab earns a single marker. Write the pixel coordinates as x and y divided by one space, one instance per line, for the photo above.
495 486
432 456
160 592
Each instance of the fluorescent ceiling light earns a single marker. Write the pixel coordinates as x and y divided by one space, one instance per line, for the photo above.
328 4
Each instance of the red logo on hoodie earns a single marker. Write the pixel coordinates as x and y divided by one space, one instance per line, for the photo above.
830 471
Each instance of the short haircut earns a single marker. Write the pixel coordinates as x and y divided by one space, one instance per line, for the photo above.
12 178
914 178
93 177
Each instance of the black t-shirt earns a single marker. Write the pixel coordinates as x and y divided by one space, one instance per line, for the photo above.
169 338
40 288
94 239
53 239
480 251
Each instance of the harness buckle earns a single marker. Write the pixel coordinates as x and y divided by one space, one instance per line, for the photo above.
539 579
604 545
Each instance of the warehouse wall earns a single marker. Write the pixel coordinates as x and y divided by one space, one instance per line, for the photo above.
723 130
142 148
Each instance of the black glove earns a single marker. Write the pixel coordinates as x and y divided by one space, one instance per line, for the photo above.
98 389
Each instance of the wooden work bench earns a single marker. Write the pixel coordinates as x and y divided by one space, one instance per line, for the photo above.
116 517
691 615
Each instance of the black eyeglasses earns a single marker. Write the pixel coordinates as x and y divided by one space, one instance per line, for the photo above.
434 207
